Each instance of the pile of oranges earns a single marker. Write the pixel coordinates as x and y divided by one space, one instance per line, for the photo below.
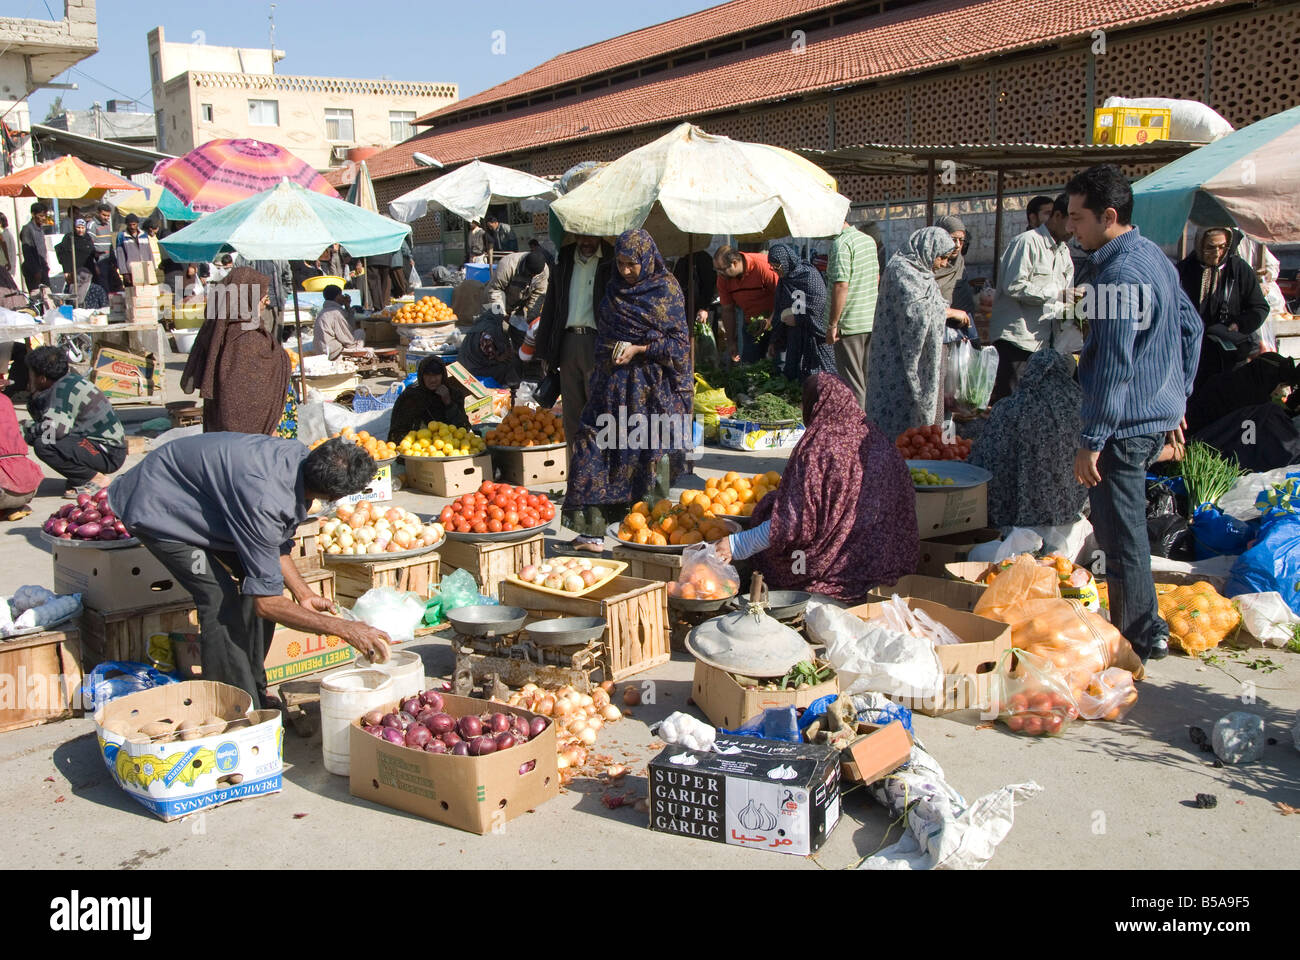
426 310
669 523
526 427
733 495
378 449
1199 617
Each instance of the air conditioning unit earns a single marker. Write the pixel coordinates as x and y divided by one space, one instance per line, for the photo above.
339 154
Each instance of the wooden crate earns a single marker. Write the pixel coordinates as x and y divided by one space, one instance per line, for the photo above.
171 632
378 333
645 565
490 563
415 574
44 673
306 553
444 478
529 468
635 613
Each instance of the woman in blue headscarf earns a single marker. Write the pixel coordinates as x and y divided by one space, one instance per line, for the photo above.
801 307
905 362
636 427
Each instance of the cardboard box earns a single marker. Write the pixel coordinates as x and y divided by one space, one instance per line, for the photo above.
768 795
967 666
958 595
875 752
528 468
143 272
744 435
111 581
448 478
181 777
939 512
729 705
380 489
953 548
477 794
1130 125
118 373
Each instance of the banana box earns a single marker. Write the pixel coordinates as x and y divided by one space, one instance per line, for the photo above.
120 374
235 751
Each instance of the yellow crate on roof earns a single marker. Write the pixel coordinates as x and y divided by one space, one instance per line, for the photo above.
1130 125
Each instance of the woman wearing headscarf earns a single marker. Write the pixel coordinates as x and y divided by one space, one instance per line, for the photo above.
1226 293
433 396
801 308
1028 446
240 370
486 352
644 313
83 258
844 518
951 273
905 363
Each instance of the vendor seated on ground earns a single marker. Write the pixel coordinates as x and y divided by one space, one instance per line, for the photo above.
333 332
19 476
220 512
433 397
74 429
486 351
844 518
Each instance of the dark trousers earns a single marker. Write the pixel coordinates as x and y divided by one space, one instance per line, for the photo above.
79 459
380 280
1011 361
1119 521
577 367
36 273
233 639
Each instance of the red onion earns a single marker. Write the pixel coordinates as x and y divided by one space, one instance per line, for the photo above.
525 768
435 746
481 746
411 705
59 527
84 500
394 736
88 531
460 750
107 514
432 699
505 741
536 726
91 516
120 527
66 510
374 730
392 721
451 739
75 515
469 727
107 533
101 495
374 718
417 735
406 719
441 723
65 536
500 723
47 525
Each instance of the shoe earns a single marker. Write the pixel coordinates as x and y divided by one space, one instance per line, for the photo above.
1159 650
18 514
90 488
69 492
589 544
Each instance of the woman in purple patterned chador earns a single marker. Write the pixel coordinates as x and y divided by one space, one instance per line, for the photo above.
620 458
844 517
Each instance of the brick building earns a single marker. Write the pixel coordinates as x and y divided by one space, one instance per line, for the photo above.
831 73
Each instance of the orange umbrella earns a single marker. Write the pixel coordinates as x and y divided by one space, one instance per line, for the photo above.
66 178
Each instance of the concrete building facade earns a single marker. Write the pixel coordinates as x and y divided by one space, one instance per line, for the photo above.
203 92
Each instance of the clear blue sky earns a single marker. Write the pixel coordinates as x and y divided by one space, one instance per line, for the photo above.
441 41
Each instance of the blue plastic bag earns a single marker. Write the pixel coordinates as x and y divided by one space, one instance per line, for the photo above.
1273 563
888 714
1217 534
116 678
775 723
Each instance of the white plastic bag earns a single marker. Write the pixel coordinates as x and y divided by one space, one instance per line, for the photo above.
1188 119
868 656
389 610
1019 540
1266 618
319 420
681 729
898 616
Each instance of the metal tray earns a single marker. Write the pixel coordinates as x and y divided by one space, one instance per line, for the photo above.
91 544
612 533
566 631
380 557
544 446
781 604
618 566
505 536
964 475
459 456
698 606
486 620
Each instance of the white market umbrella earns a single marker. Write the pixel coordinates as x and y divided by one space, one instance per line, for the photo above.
468 191
689 185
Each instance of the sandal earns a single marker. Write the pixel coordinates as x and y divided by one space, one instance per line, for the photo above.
18 513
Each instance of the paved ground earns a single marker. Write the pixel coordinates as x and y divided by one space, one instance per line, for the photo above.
1115 795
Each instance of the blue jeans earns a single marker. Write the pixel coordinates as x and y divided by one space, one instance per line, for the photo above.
1120 523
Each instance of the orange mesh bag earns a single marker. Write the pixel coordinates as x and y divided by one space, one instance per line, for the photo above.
1021 582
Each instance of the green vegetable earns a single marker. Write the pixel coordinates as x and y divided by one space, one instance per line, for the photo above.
1207 474
805 674
767 408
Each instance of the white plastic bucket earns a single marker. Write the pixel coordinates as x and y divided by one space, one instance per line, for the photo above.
344 696
184 340
407 670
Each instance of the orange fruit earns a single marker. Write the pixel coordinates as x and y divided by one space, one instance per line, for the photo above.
641 508
658 539
635 521
687 592
643 536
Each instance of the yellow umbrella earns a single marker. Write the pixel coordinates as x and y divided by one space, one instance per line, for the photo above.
66 178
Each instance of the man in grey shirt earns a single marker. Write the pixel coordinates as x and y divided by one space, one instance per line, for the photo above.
220 511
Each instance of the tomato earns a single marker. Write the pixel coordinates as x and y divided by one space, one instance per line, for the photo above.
462 526
1041 703
494 526
446 515
1018 703
479 527
457 507
512 516
548 514
1052 725
496 513
508 527
1015 723
1034 726
533 500
488 488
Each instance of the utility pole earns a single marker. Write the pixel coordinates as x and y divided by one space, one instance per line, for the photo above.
272 19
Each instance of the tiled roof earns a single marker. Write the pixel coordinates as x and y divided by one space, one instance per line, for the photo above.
711 25
908 40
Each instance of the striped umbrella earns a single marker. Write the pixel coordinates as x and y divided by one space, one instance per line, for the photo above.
362 194
66 178
221 172
1249 178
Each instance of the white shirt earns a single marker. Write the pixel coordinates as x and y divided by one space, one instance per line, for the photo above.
582 306
1032 278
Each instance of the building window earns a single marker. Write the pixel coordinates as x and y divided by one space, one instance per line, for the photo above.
155 72
160 120
206 109
338 125
264 113
399 124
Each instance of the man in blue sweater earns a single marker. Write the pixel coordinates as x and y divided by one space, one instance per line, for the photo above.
1136 369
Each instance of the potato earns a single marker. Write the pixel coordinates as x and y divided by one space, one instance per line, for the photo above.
189 730
212 726
159 728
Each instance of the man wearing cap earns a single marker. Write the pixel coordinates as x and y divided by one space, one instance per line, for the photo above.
132 247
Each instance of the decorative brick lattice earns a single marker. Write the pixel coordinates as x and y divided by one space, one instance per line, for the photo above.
1165 65
1256 68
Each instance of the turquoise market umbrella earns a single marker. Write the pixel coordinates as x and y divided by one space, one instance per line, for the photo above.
1250 178
287 222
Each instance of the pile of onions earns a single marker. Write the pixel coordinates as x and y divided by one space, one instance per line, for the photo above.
90 518
420 723
578 719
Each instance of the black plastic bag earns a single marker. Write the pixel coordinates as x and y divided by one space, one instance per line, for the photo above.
1170 537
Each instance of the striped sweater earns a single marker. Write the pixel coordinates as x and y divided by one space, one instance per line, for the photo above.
1144 342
